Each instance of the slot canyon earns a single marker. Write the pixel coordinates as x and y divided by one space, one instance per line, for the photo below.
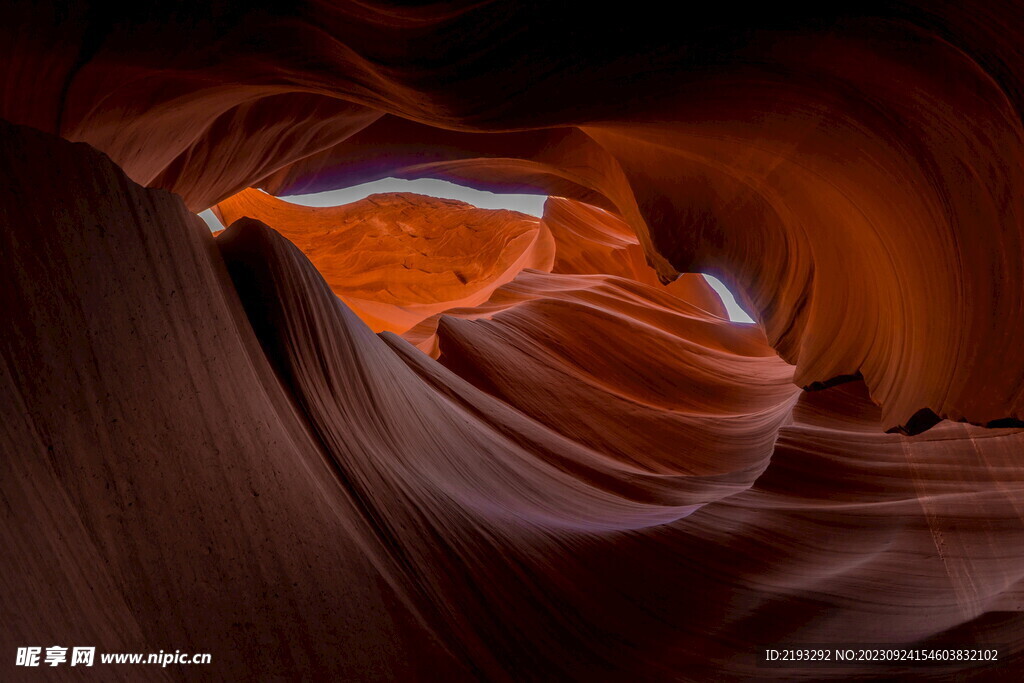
406 437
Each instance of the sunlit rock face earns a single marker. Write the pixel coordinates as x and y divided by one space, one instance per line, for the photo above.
395 259
408 438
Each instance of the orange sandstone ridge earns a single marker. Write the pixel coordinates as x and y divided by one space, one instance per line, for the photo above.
398 258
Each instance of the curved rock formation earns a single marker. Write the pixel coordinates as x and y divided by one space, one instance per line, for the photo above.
722 145
570 465
686 377
397 258
591 240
